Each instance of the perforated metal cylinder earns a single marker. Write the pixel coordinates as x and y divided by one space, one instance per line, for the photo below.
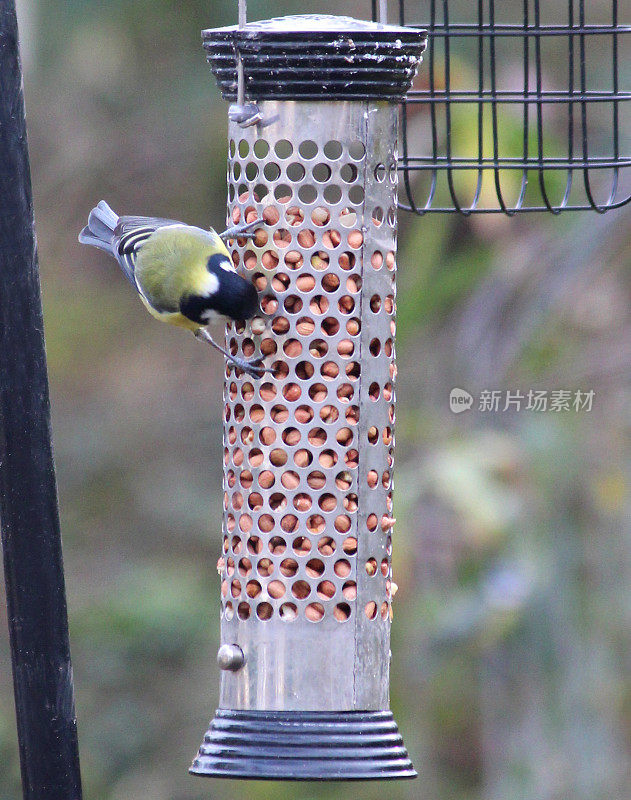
309 452
306 583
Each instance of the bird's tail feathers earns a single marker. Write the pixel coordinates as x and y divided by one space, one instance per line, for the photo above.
99 232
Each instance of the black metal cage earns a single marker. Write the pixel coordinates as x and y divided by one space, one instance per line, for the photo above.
520 106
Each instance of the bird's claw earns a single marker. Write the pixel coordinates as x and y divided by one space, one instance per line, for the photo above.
254 367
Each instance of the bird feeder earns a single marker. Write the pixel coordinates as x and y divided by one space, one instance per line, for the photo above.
306 581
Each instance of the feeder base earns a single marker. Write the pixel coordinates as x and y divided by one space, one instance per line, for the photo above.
303 745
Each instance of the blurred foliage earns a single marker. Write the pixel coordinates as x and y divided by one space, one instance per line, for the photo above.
510 676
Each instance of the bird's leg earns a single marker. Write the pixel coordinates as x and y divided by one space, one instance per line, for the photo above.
239 230
253 368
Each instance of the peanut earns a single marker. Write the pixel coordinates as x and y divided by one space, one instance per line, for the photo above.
314 612
260 237
302 458
280 325
327 459
270 259
302 502
255 458
271 215
278 457
346 260
320 216
342 523
319 260
253 588
266 481
348 218
305 327
291 437
329 370
290 480
344 436
267 435
293 257
276 589
267 392
350 590
342 568
326 589
316 480
303 414
305 283
306 238
289 523
265 567
268 347
328 503
350 545
292 392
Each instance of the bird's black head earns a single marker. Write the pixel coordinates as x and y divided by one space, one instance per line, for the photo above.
234 297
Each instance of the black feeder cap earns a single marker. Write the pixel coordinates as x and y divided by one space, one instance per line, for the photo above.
303 746
314 56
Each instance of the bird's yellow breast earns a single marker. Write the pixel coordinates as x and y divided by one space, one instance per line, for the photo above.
171 265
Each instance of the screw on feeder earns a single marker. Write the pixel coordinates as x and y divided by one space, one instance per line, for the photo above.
230 657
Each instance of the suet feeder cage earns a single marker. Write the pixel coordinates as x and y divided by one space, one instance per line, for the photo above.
520 106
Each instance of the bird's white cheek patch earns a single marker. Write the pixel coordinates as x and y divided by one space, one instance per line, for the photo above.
212 284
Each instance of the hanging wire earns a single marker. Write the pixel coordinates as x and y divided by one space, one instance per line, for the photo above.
243 18
544 100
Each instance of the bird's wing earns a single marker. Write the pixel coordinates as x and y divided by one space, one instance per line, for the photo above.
130 234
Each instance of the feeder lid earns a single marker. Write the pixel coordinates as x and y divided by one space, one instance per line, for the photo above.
311 56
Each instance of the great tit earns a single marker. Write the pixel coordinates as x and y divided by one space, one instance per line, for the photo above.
184 275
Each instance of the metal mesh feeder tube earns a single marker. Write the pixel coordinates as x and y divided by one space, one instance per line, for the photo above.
309 451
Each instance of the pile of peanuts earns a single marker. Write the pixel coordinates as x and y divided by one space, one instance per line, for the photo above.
292 348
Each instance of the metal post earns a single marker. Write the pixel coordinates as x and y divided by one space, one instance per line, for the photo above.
36 603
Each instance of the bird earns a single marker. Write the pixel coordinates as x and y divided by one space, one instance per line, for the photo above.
183 274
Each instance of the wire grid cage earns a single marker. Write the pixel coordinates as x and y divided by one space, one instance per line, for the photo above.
522 105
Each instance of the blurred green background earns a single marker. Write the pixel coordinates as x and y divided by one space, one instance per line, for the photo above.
512 642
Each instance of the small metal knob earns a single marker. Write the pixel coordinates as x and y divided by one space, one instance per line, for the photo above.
230 656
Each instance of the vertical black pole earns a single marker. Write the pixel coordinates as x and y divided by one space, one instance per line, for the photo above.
29 519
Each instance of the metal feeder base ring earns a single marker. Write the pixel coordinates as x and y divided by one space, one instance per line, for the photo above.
303 745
